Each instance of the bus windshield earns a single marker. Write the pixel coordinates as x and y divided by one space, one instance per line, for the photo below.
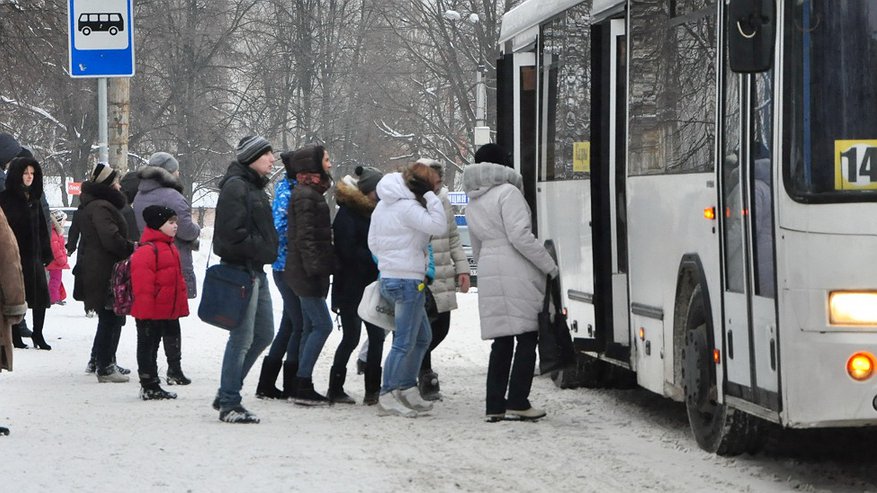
830 100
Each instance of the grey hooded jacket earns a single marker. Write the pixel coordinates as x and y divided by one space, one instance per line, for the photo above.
512 263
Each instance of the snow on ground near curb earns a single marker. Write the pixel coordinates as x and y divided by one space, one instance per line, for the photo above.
70 433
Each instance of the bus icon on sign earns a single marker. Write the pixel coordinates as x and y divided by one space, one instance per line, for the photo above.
100 22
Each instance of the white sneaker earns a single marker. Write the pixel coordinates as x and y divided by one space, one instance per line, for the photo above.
411 397
390 405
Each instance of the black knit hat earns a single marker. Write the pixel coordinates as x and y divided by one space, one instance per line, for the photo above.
156 215
104 174
492 153
9 148
251 148
368 178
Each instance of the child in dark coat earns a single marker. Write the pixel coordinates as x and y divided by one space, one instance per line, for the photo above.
159 294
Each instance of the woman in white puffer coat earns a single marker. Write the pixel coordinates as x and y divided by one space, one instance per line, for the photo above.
408 213
512 269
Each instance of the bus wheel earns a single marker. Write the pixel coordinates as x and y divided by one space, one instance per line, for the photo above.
716 427
114 31
86 31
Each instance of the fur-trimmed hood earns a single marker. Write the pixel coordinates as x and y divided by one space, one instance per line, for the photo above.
152 177
480 177
15 178
350 196
97 191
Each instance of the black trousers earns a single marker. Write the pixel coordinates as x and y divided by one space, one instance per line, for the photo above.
106 340
149 335
351 325
173 344
440 328
515 376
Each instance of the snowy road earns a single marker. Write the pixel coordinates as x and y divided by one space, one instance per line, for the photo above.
70 433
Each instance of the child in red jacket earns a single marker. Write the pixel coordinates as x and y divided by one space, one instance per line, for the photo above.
159 294
57 293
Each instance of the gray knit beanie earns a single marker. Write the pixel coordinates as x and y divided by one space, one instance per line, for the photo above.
164 160
251 148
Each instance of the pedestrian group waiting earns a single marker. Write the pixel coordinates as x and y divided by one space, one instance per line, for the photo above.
395 231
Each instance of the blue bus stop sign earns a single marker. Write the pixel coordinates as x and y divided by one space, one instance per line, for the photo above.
101 38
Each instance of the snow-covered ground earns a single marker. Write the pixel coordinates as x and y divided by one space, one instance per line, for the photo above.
70 433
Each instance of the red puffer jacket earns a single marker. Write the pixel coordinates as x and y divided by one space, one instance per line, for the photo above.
157 279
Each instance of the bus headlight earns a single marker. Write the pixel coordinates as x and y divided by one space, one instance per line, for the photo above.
852 308
860 366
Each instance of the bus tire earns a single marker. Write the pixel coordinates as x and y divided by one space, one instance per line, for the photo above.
114 31
86 31
717 428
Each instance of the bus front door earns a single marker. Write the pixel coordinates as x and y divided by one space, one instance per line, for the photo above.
749 290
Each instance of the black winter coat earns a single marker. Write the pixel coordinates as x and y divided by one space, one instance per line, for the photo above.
310 259
25 214
103 241
244 231
357 268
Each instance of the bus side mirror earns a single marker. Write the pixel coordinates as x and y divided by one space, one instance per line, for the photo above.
751 35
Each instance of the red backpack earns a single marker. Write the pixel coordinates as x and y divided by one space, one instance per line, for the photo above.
120 283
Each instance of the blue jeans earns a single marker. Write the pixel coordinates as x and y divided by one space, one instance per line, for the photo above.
316 329
412 335
289 332
246 342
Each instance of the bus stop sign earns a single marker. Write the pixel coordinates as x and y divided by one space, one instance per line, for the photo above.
101 40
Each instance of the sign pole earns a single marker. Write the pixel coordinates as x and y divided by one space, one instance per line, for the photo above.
104 153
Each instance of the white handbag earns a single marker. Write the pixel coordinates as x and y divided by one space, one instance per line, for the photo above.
375 309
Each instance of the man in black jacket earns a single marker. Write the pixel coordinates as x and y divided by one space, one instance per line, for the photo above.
244 238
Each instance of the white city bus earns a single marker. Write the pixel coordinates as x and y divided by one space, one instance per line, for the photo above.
707 173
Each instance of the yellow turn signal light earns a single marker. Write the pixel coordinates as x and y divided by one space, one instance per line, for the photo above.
642 334
709 213
860 366
717 356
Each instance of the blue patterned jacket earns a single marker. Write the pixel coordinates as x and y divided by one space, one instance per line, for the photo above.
282 192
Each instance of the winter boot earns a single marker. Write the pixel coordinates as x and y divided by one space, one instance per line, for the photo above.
89 368
290 368
305 395
22 330
152 391
16 339
39 342
372 386
175 375
238 415
111 374
266 388
336 392
428 384
390 405
411 398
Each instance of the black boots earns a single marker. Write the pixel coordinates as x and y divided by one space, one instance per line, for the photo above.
16 339
428 384
305 394
266 388
175 375
152 391
290 381
39 342
372 386
336 392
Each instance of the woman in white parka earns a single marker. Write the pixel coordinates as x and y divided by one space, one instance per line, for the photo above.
512 265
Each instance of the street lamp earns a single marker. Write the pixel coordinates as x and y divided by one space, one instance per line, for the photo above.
481 132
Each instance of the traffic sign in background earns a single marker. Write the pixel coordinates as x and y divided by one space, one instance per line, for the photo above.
101 41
